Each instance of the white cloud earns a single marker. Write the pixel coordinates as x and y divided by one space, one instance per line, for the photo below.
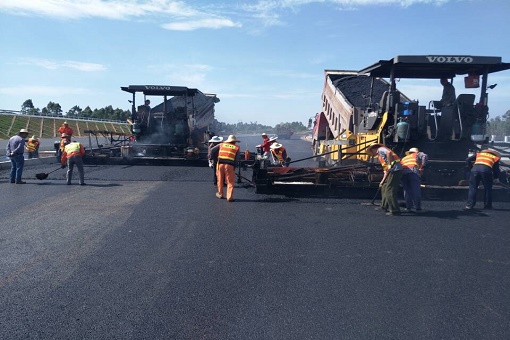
197 24
51 91
53 65
192 75
268 11
114 9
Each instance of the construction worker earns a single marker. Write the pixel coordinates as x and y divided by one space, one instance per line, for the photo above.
15 150
390 182
213 160
33 147
485 169
64 140
266 146
227 153
64 128
279 154
73 154
412 168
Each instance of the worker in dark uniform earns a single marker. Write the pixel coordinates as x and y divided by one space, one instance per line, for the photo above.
213 159
15 151
485 169
448 98
390 183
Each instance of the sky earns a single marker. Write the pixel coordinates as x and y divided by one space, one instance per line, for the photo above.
264 59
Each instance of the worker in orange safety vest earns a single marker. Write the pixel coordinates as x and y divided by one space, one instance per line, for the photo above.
32 147
412 168
485 170
64 128
228 154
392 173
64 140
73 155
279 154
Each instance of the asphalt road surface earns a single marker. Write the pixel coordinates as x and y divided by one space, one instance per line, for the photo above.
147 252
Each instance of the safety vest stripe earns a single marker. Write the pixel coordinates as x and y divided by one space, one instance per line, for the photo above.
486 158
385 165
228 152
409 161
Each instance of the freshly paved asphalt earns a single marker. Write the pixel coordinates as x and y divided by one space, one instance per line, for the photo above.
149 253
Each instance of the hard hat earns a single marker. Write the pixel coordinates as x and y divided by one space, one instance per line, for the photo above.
231 139
64 135
264 134
374 146
23 131
65 123
33 138
412 150
216 139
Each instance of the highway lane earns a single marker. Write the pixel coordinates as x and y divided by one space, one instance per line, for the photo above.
149 253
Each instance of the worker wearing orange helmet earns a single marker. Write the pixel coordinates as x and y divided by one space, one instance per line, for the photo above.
228 153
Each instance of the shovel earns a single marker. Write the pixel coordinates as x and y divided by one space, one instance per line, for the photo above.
44 175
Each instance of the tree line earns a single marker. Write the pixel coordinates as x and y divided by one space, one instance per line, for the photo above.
109 113
499 126
55 110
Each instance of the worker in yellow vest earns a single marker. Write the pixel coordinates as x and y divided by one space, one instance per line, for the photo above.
73 155
485 169
412 168
32 147
227 153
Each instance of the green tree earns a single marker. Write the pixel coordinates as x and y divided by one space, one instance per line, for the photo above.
28 108
499 126
75 111
87 112
53 109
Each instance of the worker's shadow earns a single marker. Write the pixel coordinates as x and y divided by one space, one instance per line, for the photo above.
98 185
453 214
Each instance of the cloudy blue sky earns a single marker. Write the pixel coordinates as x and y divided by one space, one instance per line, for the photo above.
265 59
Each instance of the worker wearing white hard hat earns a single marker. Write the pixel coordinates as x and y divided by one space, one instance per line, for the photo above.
412 168
15 150
213 160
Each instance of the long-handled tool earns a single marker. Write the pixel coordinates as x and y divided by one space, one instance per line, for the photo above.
373 199
44 175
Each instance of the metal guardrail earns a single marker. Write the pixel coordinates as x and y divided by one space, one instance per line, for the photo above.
90 119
